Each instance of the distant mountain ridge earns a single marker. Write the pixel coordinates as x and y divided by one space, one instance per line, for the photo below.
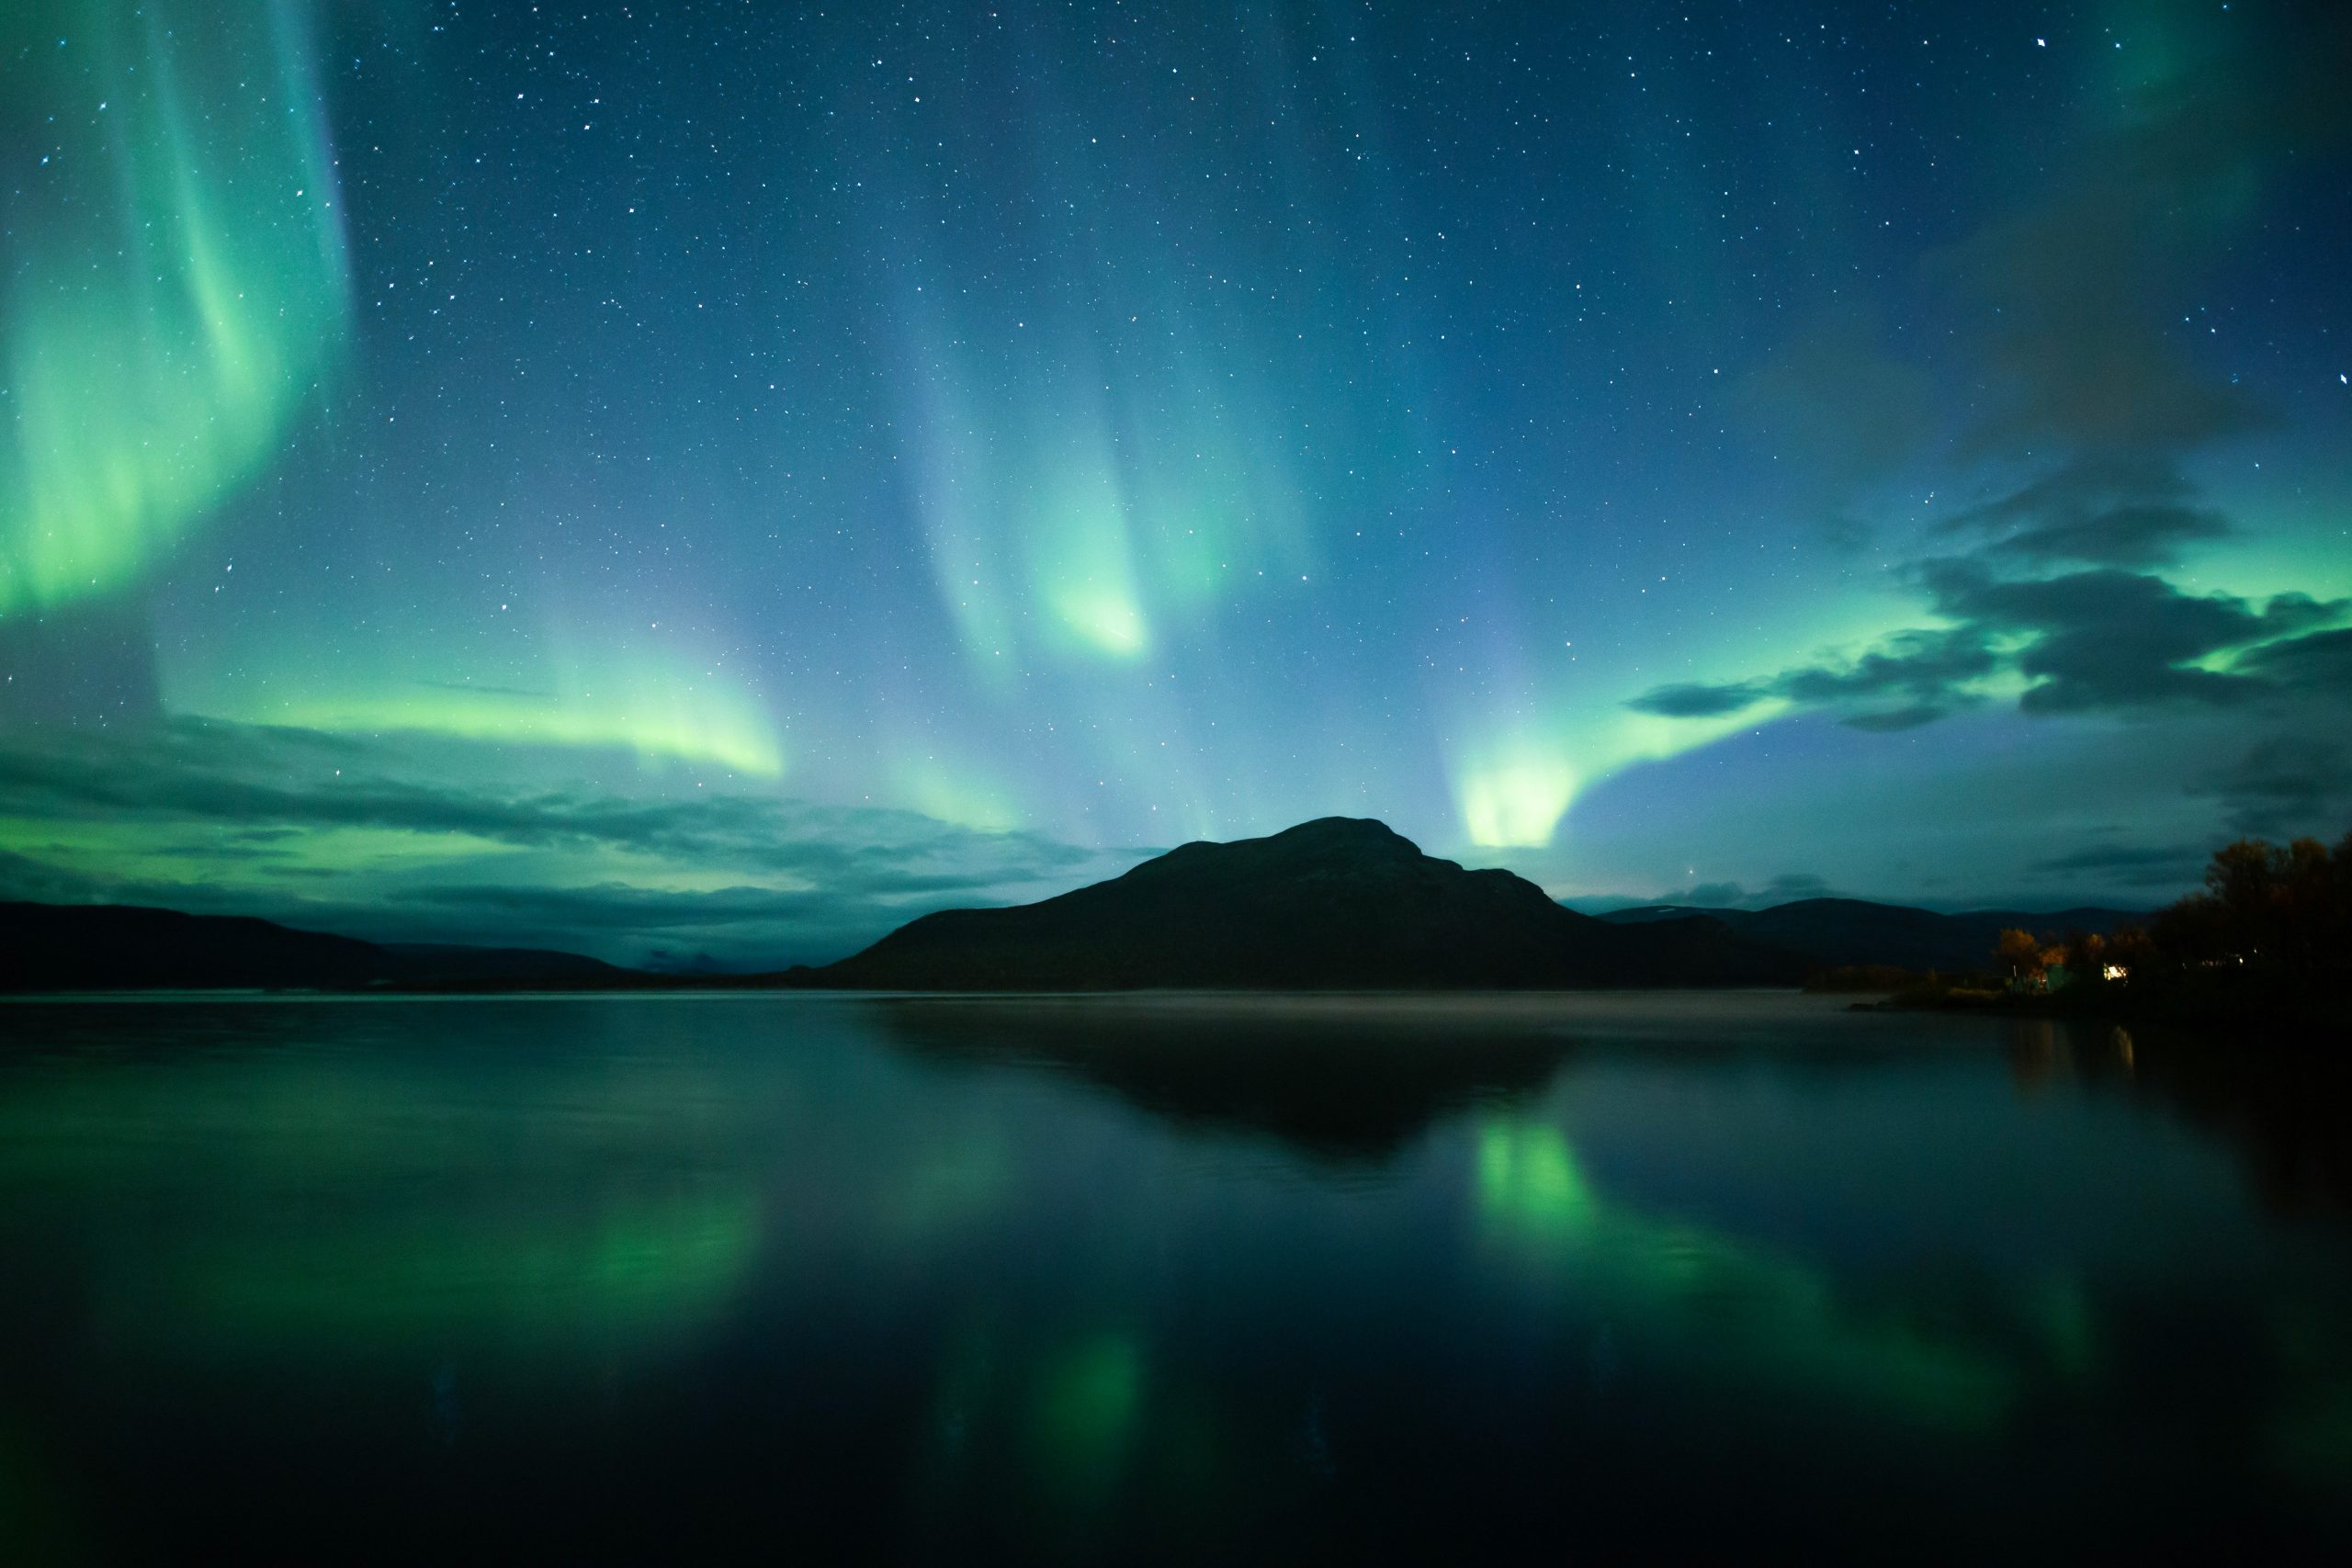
1336 904
1340 903
121 947
1838 932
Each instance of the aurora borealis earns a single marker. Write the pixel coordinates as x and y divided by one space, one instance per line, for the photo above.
714 479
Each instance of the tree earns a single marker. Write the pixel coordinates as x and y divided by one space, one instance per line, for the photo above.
2277 919
2021 957
2086 958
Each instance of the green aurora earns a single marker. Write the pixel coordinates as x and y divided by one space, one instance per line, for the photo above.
178 291
1696 476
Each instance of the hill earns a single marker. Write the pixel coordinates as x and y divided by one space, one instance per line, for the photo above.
1334 904
111 947
1842 932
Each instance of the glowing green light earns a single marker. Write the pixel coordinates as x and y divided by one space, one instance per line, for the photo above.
649 702
1081 562
388 1265
959 791
1086 522
1103 618
1528 1175
1513 793
1742 1312
625 1271
1089 1398
681 725
177 288
1516 800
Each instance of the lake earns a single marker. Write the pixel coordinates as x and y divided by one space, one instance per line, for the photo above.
1164 1278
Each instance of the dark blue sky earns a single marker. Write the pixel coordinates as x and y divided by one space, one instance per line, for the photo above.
722 477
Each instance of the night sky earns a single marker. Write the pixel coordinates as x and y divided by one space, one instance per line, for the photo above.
715 480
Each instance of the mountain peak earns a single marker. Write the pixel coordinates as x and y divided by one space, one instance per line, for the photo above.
1336 902
1370 831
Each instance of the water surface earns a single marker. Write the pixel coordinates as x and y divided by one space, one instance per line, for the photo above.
1160 1277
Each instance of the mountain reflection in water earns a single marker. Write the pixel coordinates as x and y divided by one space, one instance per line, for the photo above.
1160 1277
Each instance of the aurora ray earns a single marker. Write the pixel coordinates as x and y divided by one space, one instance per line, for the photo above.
1652 472
180 288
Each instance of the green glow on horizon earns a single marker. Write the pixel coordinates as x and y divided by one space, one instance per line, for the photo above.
1514 793
182 294
162 853
677 725
1515 778
954 791
648 702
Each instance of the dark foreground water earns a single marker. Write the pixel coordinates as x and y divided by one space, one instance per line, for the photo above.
816 1278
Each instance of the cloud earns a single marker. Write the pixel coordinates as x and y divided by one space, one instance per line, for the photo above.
490 689
253 778
1794 885
284 803
2079 405
1698 700
2123 512
2100 640
2132 865
2319 663
2067 304
2067 337
1927 666
26 879
1786 889
739 926
2285 785
1926 673
1887 721
2114 639
620 905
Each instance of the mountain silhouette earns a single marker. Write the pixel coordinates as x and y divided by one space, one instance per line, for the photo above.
115 947
1344 1080
1336 904
1340 903
1852 931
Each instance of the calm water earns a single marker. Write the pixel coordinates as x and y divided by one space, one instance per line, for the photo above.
1291 1280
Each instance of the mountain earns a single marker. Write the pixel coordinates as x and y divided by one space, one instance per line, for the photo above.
1339 903
444 963
1840 931
107 947
1335 904
1343 1079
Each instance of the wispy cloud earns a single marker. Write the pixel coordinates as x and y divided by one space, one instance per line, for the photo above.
2066 413
213 813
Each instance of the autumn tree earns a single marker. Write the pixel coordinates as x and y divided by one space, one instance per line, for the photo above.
2280 914
2020 953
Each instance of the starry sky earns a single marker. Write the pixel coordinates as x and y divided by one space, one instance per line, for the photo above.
701 480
